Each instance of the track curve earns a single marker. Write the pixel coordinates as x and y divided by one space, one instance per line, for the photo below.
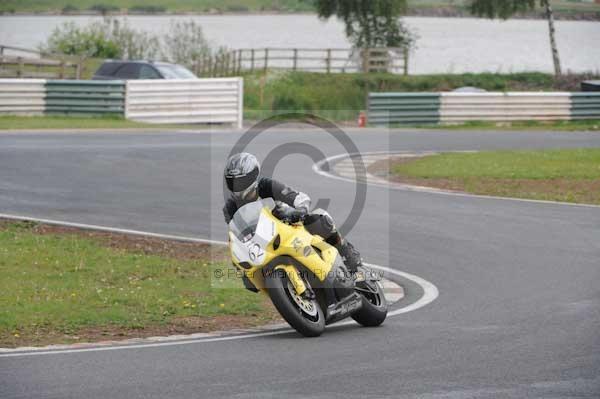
517 315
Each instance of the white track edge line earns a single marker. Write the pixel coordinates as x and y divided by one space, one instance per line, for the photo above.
317 168
430 293
111 229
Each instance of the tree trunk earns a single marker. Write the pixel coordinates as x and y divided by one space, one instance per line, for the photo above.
555 56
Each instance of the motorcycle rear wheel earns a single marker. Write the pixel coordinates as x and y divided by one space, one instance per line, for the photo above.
308 321
374 308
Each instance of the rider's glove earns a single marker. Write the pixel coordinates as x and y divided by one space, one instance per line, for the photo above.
286 213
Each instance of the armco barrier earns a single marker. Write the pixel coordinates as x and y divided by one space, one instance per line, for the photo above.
386 108
504 107
185 101
585 105
152 101
85 97
22 96
406 108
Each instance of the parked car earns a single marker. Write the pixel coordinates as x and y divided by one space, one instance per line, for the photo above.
112 69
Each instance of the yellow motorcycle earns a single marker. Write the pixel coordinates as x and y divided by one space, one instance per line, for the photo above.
303 275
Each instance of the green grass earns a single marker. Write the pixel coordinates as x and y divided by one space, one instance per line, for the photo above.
567 175
63 283
550 164
68 122
578 125
560 5
170 5
238 5
82 122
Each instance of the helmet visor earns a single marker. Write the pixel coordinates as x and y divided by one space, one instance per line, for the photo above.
240 183
249 194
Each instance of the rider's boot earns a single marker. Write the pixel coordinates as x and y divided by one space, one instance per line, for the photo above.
350 255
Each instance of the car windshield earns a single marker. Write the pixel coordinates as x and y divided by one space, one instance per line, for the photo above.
175 72
244 222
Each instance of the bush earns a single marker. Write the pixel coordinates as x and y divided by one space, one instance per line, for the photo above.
104 8
132 43
114 38
185 43
69 8
70 39
237 8
147 9
106 39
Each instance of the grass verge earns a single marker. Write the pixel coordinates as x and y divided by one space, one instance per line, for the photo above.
64 285
571 175
578 125
80 122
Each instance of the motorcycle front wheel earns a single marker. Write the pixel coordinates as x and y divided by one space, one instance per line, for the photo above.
304 315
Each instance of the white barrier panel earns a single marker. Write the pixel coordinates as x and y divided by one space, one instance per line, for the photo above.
22 96
514 106
185 101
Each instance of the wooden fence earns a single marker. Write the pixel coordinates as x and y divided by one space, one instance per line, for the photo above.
16 62
331 60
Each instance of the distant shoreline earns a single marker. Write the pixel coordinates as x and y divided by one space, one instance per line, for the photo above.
417 12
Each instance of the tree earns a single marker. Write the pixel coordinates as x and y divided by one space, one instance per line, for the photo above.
369 23
109 38
506 8
185 43
115 38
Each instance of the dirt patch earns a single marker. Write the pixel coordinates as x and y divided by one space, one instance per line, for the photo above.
586 191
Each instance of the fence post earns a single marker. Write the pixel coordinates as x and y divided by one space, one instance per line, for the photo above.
328 60
233 57
78 68
252 60
239 63
197 67
266 66
61 74
228 63
406 53
20 68
295 59
205 61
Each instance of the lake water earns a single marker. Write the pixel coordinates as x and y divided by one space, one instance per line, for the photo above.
445 44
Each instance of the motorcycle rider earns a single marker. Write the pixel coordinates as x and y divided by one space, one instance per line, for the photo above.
243 180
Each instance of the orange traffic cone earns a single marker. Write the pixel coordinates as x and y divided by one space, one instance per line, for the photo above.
362 119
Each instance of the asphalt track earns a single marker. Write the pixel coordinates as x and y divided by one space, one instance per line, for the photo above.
518 312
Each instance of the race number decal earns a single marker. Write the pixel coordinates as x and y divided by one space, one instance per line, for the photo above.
256 253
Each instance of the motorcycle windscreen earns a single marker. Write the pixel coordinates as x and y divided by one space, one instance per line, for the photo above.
244 222
252 232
